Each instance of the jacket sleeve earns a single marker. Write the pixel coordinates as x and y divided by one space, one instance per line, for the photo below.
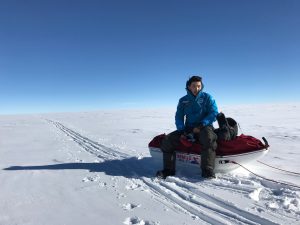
212 111
179 116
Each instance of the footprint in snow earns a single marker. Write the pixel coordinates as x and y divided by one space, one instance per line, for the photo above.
135 131
103 184
132 186
130 206
90 179
255 194
79 160
258 209
121 195
138 221
98 160
87 179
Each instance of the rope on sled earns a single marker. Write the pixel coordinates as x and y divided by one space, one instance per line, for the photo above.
274 181
278 168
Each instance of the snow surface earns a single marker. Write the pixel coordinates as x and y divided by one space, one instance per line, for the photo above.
95 168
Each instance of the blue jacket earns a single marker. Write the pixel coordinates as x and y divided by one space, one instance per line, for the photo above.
195 111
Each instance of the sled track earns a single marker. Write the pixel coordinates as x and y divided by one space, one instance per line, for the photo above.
226 208
201 205
177 194
89 145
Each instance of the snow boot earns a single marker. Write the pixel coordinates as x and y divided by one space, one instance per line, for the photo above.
163 174
208 174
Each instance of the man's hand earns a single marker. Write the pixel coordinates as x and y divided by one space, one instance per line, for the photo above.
196 130
183 136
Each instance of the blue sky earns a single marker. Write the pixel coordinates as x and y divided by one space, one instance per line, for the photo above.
86 55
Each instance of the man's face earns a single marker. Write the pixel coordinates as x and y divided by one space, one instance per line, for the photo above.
195 87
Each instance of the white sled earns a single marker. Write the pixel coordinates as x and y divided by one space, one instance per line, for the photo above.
222 163
242 150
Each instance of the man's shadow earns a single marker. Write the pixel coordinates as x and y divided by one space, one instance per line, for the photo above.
128 167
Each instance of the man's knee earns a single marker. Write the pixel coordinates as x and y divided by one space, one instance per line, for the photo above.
170 142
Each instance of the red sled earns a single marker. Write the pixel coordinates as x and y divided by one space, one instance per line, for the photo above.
243 150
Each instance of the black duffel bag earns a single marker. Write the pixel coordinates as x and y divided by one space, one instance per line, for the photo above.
228 128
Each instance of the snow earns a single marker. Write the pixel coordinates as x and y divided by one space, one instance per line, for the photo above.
95 168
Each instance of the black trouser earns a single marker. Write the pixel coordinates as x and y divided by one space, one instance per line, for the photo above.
207 139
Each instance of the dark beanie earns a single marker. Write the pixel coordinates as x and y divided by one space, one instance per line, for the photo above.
193 79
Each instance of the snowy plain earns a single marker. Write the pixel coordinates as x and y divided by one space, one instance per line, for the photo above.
95 168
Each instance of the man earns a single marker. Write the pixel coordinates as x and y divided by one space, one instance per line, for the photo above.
194 117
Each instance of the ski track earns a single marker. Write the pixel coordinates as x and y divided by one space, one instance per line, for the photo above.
226 208
181 195
90 146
